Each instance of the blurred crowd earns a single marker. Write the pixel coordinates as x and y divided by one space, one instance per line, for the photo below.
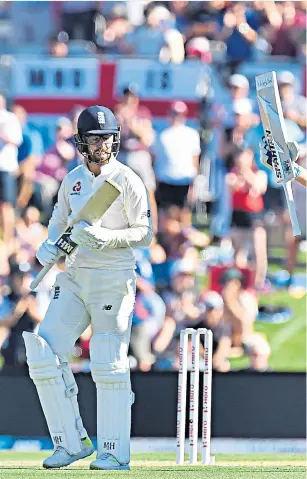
175 30
211 198
165 30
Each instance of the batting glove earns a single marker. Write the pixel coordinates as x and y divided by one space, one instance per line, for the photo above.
90 237
266 154
48 253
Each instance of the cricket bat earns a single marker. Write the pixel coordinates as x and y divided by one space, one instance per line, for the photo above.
273 122
97 204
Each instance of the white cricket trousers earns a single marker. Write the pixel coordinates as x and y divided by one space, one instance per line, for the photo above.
83 296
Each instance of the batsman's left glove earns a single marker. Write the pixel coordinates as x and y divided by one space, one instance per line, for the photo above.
266 154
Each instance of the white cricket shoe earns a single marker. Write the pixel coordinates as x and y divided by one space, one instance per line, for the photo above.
108 462
62 458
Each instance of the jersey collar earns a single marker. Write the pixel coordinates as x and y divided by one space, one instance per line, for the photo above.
105 169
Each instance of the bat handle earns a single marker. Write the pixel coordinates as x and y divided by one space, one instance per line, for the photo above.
292 211
48 267
40 276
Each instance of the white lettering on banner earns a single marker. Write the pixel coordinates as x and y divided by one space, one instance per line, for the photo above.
159 80
56 77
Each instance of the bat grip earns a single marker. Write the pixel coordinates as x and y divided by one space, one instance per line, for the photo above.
41 275
292 211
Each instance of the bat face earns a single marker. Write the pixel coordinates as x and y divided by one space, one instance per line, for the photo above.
100 202
275 160
96 206
274 125
273 122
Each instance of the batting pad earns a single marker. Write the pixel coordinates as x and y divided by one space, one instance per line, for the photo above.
54 394
110 371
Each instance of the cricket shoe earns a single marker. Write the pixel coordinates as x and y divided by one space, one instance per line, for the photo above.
62 458
107 462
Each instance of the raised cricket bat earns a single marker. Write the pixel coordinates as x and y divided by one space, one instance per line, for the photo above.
275 132
97 204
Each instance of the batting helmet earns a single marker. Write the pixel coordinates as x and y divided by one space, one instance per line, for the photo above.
96 120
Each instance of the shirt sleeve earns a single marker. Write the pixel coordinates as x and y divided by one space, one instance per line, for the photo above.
60 214
137 208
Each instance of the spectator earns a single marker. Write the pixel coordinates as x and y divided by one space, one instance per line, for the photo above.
211 306
239 30
58 47
29 157
240 311
199 48
147 321
294 106
157 37
204 18
233 138
30 232
238 87
221 115
74 115
24 317
10 139
176 162
180 10
179 241
181 311
137 137
78 19
4 261
289 38
111 32
149 312
248 186
57 161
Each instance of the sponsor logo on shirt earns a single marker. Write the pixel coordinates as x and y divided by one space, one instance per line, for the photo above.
76 188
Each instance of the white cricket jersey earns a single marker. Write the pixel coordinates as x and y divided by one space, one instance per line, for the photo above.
129 215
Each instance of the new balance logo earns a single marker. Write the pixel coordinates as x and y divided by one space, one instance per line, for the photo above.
145 214
107 307
109 446
56 292
57 440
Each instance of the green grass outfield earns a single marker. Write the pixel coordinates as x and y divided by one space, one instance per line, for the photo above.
25 465
287 340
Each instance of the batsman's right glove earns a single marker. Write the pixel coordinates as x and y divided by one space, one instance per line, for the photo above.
266 155
48 253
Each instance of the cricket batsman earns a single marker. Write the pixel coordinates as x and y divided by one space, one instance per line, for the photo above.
98 288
